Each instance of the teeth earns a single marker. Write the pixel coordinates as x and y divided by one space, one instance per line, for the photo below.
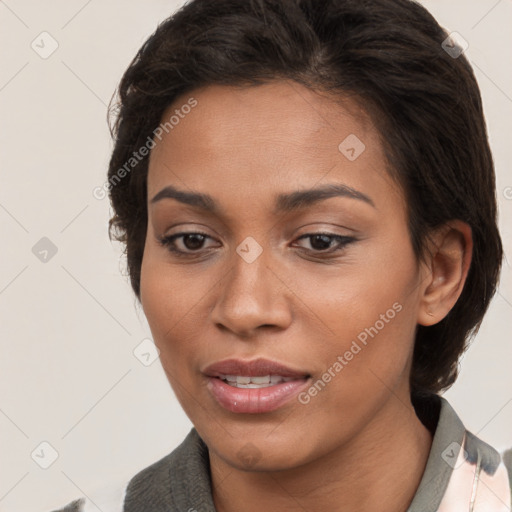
243 381
261 380
252 386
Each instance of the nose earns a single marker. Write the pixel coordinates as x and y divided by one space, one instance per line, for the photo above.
252 296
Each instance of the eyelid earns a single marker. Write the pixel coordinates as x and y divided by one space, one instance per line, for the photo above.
342 241
168 241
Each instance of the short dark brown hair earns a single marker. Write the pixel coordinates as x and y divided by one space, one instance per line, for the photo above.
424 102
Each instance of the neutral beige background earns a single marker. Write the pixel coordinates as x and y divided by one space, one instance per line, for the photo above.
69 326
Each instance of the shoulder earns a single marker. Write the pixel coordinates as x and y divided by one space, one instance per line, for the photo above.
158 487
461 468
483 457
150 487
482 475
174 482
75 506
109 499
130 494
488 459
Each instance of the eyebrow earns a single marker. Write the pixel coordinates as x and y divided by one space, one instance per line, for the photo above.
284 202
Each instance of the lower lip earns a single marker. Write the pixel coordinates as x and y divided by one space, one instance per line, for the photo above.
254 400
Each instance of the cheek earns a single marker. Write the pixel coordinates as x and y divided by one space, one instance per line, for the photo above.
173 302
166 293
372 319
165 306
162 301
364 365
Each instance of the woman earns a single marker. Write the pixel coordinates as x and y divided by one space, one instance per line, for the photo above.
306 194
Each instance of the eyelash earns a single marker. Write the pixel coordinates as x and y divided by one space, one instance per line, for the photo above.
168 243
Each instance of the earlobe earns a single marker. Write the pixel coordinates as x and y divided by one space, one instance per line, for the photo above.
449 261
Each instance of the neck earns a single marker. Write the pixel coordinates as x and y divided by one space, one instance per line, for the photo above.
378 470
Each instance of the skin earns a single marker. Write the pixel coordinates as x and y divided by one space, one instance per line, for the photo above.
294 303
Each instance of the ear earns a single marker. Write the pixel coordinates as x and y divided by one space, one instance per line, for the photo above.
446 269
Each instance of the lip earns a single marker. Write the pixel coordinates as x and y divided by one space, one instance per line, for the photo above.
253 368
257 400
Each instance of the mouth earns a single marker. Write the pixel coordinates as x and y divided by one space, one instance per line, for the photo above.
256 382
238 370
256 386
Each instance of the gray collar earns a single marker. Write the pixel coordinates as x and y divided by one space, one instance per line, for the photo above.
448 438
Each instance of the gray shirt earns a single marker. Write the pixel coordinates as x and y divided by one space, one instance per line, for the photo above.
462 474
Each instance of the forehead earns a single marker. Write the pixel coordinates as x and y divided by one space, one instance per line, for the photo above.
279 135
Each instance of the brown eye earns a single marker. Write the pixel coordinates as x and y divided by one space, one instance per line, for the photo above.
320 242
191 242
323 242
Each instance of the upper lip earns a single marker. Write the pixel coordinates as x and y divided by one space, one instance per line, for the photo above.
254 368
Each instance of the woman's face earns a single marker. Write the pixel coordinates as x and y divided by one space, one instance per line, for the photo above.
339 309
